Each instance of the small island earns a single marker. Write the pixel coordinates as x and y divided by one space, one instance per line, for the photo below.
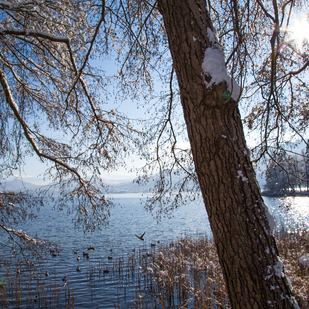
283 193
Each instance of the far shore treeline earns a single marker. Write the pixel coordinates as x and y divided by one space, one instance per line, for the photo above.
287 175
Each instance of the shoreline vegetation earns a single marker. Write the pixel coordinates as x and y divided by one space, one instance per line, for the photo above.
284 193
181 274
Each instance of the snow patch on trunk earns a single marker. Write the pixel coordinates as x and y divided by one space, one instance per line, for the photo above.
294 302
212 36
214 66
278 267
270 218
241 176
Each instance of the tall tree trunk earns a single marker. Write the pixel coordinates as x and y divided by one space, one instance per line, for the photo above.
238 216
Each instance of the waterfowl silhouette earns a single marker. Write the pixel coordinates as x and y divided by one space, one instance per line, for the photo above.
64 279
110 257
105 271
47 274
77 269
54 251
92 248
78 258
86 255
18 271
36 298
76 252
152 245
141 237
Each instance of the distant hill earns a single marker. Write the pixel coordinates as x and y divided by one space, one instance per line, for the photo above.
127 186
130 187
18 185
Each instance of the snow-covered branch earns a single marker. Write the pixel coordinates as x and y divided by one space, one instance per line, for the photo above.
29 136
35 33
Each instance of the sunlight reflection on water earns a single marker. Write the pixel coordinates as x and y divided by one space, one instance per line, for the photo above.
290 211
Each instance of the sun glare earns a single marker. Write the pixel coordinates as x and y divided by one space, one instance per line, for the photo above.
299 31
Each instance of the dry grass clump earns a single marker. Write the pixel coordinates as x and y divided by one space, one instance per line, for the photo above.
292 245
187 273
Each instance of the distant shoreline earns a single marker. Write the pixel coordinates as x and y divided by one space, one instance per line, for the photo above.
284 193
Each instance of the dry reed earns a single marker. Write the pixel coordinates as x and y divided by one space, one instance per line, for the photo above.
293 244
183 274
26 287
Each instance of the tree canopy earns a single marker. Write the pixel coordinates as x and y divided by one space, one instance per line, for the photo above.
52 87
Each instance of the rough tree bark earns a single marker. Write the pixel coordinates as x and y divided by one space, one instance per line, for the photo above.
238 216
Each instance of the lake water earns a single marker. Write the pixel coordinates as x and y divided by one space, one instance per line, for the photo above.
128 217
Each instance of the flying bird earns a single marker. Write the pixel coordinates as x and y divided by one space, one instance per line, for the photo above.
141 237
